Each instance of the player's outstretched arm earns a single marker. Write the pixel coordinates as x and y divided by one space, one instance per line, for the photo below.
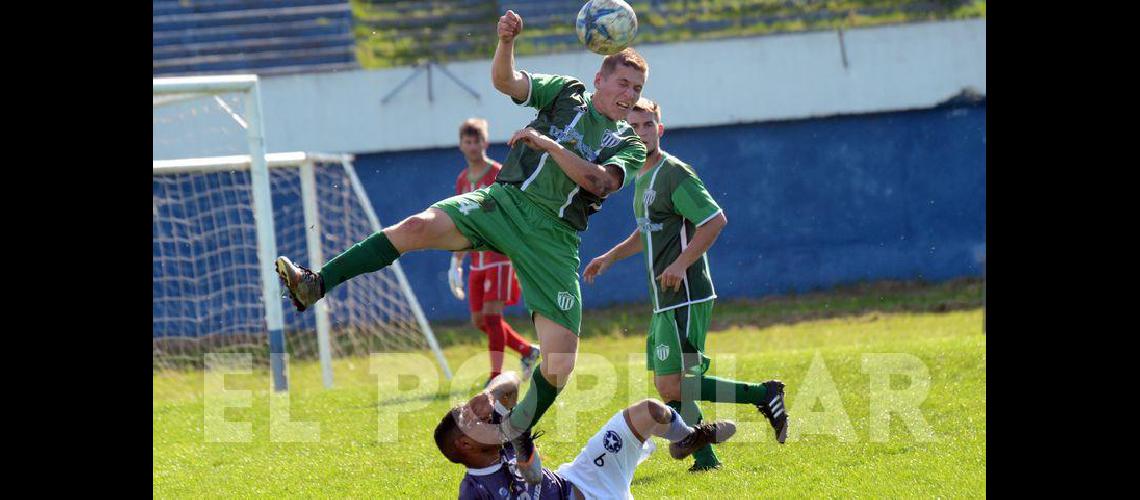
597 179
503 74
631 246
703 239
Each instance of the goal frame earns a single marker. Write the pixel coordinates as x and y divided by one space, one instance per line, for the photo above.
259 163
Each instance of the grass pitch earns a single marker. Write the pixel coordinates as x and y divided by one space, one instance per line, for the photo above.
835 351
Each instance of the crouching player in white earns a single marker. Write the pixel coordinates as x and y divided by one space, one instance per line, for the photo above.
604 468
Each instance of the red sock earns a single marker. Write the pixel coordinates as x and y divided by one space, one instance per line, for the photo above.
496 338
513 339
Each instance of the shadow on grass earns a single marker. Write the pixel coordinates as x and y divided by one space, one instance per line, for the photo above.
455 392
860 300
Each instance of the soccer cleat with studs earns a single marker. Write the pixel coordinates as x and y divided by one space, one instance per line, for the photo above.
305 287
773 408
703 434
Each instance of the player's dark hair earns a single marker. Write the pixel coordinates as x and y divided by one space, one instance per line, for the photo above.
473 127
648 106
446 433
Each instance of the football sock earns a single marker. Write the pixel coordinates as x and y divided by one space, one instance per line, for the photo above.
372 254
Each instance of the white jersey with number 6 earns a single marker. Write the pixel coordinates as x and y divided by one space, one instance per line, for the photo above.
604 468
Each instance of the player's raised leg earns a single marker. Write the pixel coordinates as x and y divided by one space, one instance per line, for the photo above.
431 228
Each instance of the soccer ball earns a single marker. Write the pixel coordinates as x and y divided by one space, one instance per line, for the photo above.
606 26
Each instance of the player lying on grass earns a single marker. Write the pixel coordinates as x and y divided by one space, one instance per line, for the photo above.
561 167
603 469
677 221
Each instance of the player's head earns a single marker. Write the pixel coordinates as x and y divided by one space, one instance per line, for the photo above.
618 84
473 138
645 117
465 439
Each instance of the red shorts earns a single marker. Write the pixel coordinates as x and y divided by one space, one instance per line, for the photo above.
494 283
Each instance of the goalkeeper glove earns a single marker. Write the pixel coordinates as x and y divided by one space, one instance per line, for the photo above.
455 277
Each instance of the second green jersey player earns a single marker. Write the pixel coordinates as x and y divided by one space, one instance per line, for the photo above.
577 151
677 221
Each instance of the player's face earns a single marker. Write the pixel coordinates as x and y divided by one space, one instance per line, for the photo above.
646 127
472 146
479 445
617 92
481 431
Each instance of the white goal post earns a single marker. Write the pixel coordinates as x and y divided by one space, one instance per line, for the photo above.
220 221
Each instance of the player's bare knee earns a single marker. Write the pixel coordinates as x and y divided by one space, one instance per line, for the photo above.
558 365
657 410
414 227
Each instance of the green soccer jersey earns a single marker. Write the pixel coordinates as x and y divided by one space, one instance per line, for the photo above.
669 202
566 114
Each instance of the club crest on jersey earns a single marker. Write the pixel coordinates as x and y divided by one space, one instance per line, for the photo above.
565 301
662 352
610 139
648 196
612 442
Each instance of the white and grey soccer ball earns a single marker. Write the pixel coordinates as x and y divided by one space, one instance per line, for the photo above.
606 26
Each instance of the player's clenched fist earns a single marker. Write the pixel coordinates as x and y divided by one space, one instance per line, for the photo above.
510 26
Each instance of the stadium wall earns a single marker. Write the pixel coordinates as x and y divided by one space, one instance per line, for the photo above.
706 83
834 161
810 204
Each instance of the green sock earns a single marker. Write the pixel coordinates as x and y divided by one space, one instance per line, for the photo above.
692 415
722 390
372 254
538 399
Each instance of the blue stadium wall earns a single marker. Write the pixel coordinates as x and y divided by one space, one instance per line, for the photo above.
811 204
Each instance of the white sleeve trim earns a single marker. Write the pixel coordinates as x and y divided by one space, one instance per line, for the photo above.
529 89
701 223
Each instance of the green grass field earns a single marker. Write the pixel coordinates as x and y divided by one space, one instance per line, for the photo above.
834 332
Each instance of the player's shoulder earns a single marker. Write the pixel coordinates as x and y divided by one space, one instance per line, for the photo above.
625 130
676 168
623 137
566 82
470 488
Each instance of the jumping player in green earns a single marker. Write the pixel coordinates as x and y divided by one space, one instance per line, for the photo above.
677 222
561 167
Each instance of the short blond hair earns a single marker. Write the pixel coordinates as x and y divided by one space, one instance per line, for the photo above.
627 57
473 126
648 106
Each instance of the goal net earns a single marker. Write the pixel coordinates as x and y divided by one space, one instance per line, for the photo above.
220 217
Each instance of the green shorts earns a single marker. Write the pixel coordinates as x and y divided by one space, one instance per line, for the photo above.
676 341
543 250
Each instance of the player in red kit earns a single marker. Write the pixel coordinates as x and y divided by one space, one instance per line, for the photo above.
492 283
